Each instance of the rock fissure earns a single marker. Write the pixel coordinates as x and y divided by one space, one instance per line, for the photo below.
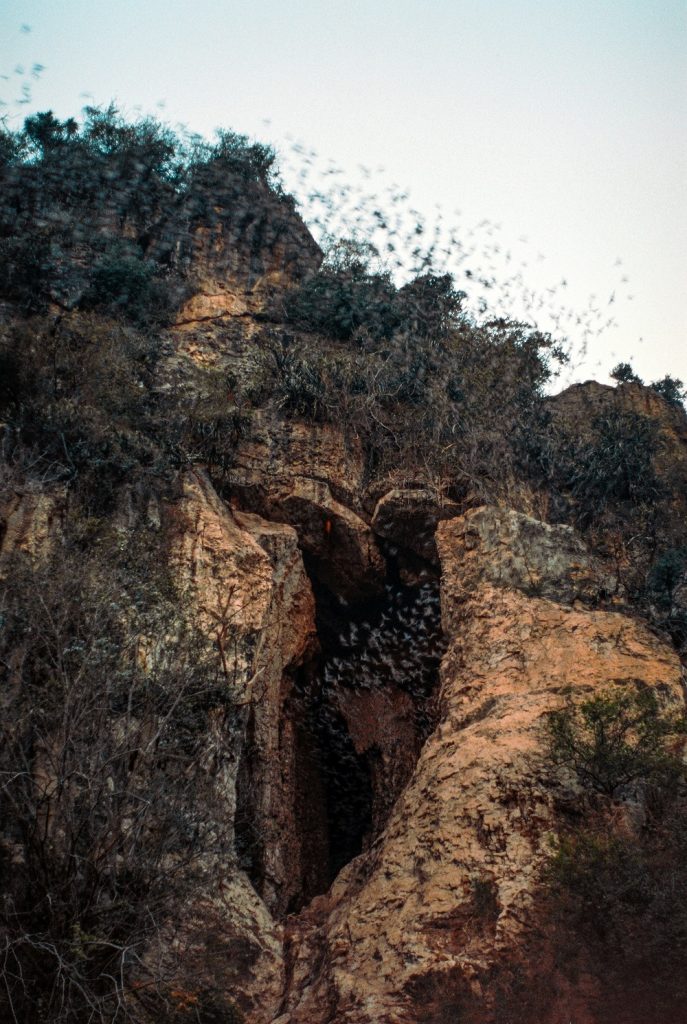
353 721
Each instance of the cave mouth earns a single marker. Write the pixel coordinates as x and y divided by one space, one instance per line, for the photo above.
353 724
364 711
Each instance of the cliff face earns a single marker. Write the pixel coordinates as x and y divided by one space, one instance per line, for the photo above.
445 889
411 930
393 649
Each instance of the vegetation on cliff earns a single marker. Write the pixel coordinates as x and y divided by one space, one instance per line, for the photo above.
108 231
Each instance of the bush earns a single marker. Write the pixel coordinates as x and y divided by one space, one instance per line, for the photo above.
621 901
614 468
123 283
108 701
80 408
614 898
339 303
614 739
670 388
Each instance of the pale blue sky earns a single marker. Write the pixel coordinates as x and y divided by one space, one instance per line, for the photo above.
564 120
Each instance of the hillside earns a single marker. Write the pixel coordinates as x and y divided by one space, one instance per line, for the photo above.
342 664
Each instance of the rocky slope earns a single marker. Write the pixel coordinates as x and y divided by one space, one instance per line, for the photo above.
393 646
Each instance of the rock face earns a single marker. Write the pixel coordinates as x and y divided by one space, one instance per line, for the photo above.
252 594
30 522
445 890
291 554
243 244
248 586
510 550
311 479
410 930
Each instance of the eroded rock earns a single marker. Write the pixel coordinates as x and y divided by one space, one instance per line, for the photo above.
410 930
31 522
248 590
409 517
509 549
310 478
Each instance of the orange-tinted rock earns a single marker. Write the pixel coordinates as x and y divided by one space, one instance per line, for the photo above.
30 522
309 477
411 930
249 591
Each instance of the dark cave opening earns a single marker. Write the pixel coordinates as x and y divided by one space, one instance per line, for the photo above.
357 716
370 703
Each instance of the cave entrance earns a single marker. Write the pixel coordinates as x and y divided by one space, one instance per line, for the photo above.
365 710
353 724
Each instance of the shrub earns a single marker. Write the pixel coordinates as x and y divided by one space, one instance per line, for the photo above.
613 739
123 283
615 467
338 303
430 307
670 388
624 374
621 901
108 701
80 407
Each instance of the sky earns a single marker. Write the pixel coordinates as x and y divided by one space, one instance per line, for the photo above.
557 129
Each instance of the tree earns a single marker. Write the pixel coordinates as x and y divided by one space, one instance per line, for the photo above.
670 388
46 132
624 374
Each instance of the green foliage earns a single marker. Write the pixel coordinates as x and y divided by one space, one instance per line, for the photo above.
348 300
670 388
613 739
624 374
204 421
615 887
238 155
45 132
302 390
430 308
123 282
79 408
602 870
342 299
614 467
422 399
623 898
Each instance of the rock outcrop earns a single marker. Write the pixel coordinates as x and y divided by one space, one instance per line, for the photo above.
411 930
247 584
30 522
313 480
316 584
